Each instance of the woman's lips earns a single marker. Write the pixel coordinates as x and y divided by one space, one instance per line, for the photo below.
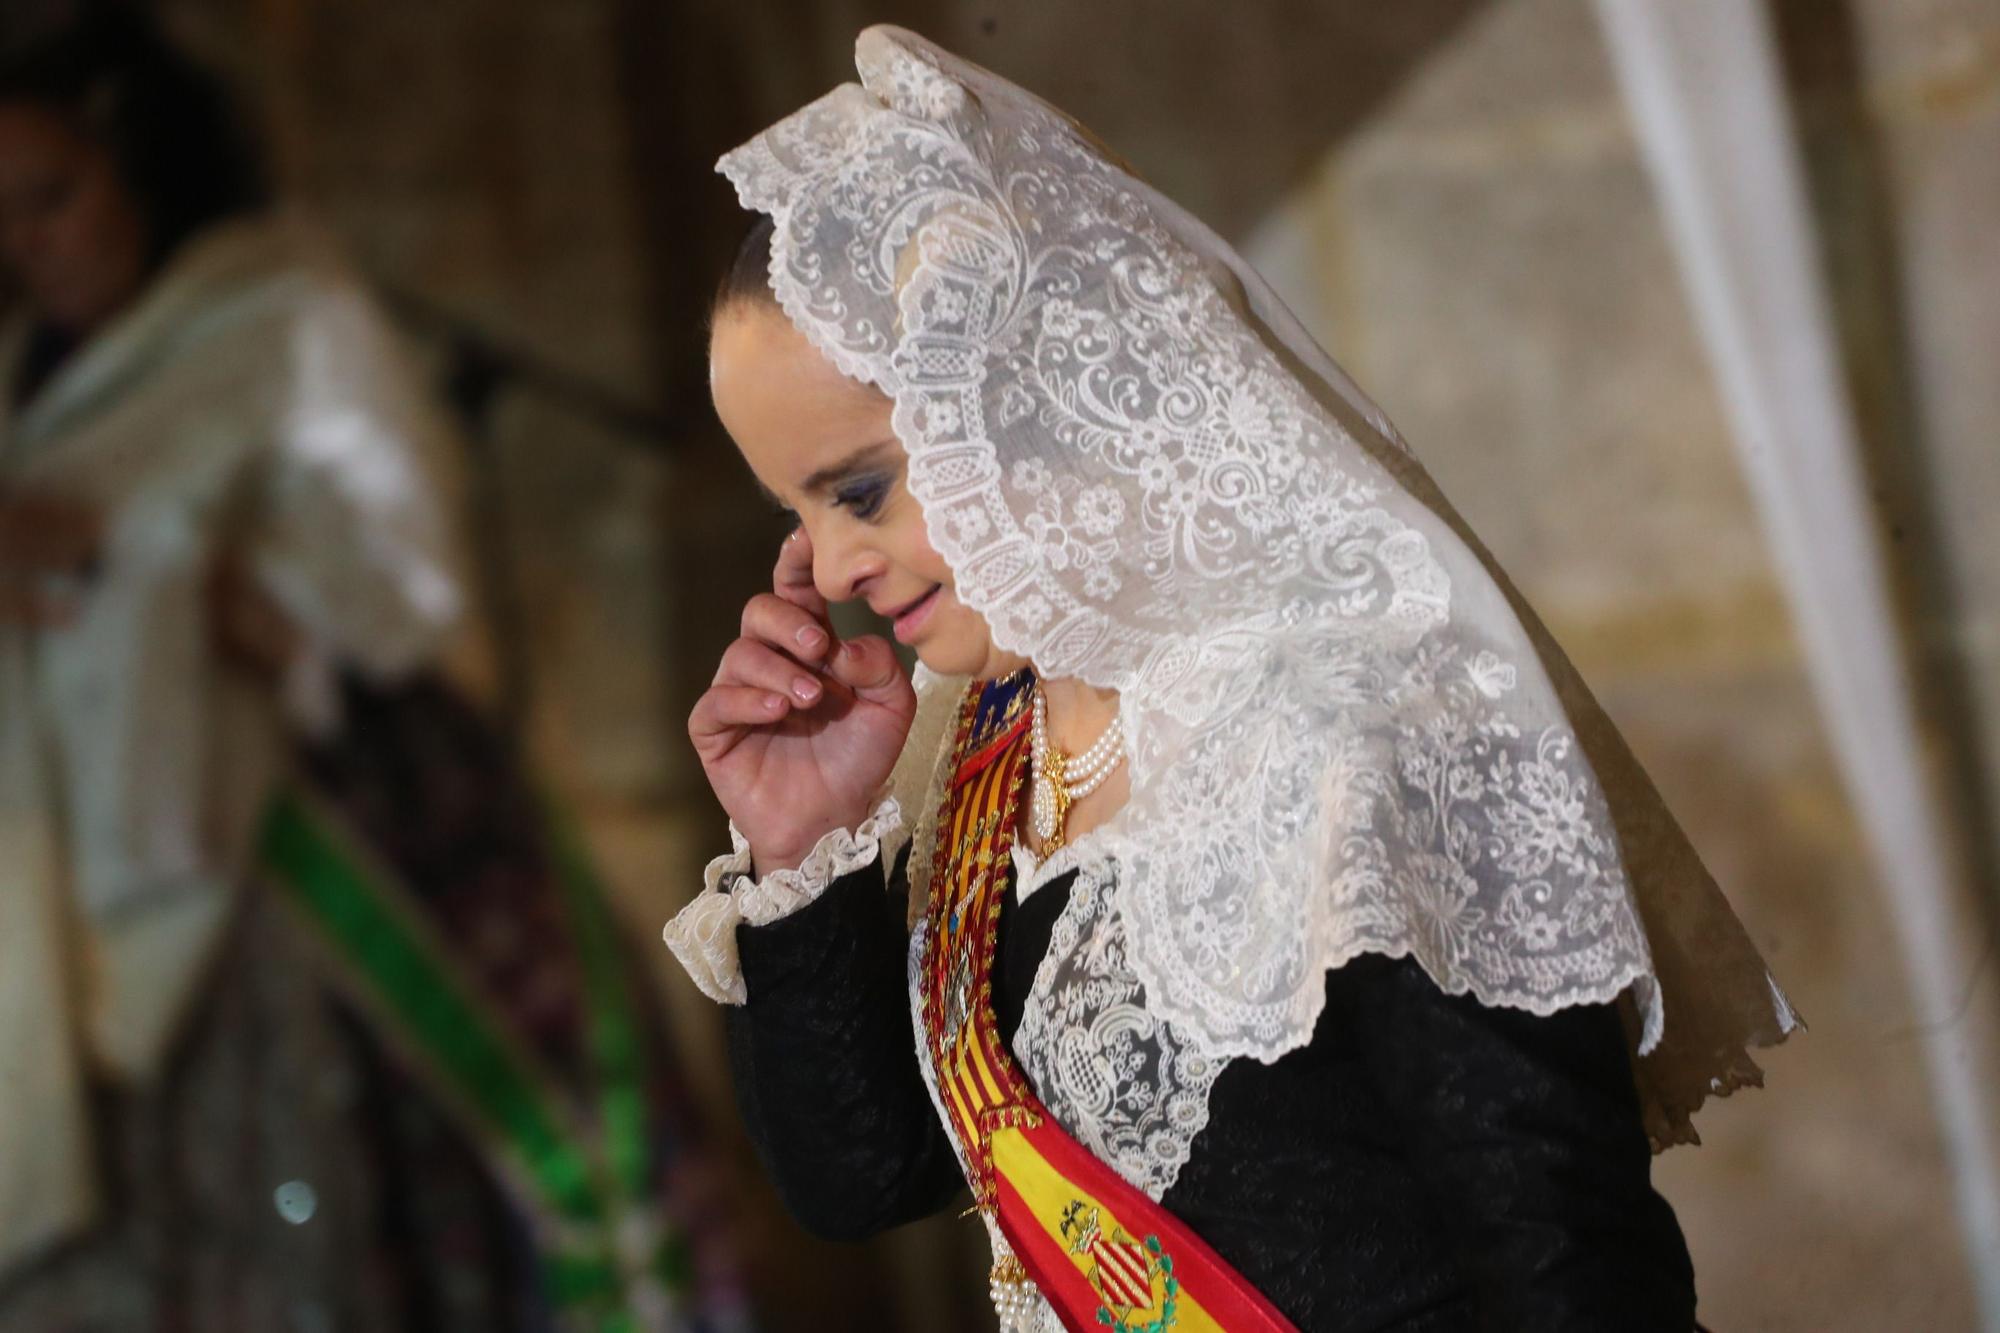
910 622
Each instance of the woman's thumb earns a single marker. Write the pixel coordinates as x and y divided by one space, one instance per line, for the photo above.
868 666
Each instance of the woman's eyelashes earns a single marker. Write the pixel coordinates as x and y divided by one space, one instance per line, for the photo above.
863 496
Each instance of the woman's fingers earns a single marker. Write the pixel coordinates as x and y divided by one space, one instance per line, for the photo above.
868 666
749 662
792 577
787 627
788 658
726 709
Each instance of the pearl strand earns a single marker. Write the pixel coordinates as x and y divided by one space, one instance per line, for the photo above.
1015 1296
1058 781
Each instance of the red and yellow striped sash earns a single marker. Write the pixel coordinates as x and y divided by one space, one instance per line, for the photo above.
1101 1252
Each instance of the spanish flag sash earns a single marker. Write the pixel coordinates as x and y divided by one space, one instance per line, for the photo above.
1101 1253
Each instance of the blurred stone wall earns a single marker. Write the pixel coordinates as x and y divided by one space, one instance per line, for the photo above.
1486 256
1449 192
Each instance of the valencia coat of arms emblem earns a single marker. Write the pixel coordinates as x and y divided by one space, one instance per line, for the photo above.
1133 1278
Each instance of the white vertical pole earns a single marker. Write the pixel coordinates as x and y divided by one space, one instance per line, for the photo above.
1701 80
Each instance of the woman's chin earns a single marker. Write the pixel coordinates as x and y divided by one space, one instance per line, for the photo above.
942 660
958 659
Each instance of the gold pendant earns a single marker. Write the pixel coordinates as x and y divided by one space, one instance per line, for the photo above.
1052 800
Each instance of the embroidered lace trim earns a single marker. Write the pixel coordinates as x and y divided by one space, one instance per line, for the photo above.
703 934
1129 1085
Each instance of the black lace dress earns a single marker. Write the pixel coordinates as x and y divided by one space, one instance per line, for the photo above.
1426 1163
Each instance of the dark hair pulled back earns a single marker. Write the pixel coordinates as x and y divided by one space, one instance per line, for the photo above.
748 277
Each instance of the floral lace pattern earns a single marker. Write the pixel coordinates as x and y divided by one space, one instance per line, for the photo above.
1125 1083
1345 732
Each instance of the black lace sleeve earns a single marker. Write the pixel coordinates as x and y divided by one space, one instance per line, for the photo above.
1526 1132
824 1059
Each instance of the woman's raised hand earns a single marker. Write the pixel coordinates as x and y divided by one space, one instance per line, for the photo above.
798 732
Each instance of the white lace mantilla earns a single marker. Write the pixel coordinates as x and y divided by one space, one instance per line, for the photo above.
703 934
1346 732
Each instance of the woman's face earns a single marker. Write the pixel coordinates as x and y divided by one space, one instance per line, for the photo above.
821 444
71 234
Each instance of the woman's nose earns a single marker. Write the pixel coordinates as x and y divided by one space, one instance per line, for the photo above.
843 564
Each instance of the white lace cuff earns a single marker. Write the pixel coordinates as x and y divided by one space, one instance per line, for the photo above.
703 935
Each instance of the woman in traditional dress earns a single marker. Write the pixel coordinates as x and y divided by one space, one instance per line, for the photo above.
305 1023
1291 940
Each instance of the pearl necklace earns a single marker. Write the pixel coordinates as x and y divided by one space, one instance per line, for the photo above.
1058 780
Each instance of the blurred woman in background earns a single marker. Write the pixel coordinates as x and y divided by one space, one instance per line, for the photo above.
225 556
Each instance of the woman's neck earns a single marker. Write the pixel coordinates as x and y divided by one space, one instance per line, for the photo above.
1078 713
